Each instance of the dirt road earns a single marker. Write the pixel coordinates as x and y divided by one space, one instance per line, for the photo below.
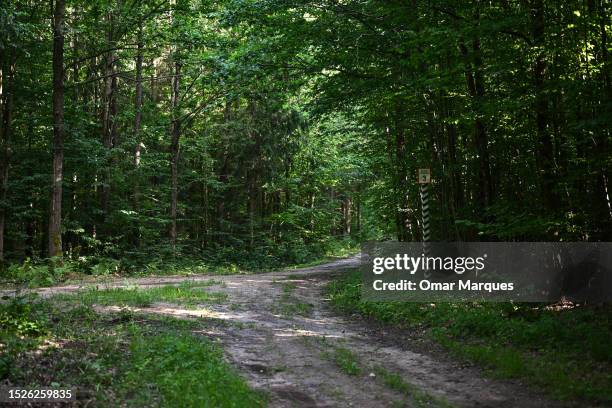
279 332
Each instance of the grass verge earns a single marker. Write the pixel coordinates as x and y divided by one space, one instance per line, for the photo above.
117 359
565 352
186 293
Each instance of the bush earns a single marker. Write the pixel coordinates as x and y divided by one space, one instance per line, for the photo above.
21 328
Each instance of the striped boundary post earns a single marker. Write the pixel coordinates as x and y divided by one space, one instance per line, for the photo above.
426 230
424 178
425 211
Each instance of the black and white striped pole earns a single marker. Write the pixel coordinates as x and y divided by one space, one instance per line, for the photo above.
424 179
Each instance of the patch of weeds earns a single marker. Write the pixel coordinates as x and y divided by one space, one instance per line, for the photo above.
116 296
322 340
288 307
310 341
279 369
168 323
22 328
18 317
289 287
345 359
206 283
236 307
242 325
36 274
185 294
307 341
420 398
293 309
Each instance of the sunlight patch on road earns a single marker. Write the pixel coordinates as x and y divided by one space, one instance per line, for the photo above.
303 333
169 310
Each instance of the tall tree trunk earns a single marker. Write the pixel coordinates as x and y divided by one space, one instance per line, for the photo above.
606 173
475 85
55 213
175 150
252 204
137 126
404 221
8 79
544 150
109 124
138 108
205 204
358 212
75 54
32 219
332 201
348 212
312 212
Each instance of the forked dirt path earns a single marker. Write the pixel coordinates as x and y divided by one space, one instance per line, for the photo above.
278 330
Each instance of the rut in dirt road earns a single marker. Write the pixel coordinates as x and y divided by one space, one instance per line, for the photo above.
279 332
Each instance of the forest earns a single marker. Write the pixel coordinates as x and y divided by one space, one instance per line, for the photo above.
133 129
139 137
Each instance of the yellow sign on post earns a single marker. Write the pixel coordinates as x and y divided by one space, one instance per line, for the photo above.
424 176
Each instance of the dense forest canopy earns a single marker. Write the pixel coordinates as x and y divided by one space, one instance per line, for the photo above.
135 128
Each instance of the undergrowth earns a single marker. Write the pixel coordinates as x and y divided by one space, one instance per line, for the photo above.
219 261
565 352
116 359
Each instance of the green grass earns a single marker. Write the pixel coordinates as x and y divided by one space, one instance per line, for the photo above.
187 293
345 360
117 359
187 372
565 352
419 397
288 306
348 362
289 287
293 309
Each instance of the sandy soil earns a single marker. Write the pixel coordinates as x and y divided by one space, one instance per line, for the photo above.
280 333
